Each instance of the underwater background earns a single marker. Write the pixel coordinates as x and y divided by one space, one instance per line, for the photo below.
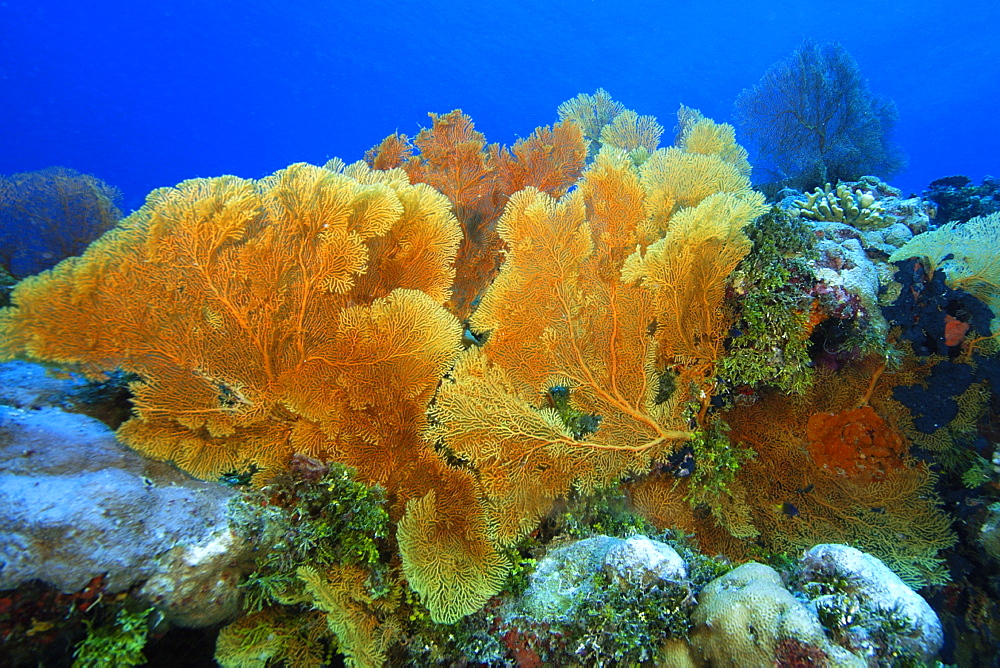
532 402
145 95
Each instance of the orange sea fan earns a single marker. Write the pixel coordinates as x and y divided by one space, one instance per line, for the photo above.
250 314
478 179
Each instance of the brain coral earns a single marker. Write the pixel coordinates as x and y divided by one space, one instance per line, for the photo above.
747 617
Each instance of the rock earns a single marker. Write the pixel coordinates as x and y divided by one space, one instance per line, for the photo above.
564 577
602 601
748 618
639 561
845 264
886 618
76 504
913 213
26 385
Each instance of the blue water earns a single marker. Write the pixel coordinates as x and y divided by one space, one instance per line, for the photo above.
145 94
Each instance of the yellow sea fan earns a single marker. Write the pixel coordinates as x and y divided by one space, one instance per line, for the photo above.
707 137
453 568
592 113
675 179
688 269
629 132
342 594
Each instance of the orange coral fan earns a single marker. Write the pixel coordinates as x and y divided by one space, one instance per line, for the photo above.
854 441
391 153
478 179
51 214
576 308
250 313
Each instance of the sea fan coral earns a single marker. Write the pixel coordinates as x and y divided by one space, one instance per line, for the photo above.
51 214
577 307
813 119
262 318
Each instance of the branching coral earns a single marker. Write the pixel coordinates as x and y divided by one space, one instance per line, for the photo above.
842 206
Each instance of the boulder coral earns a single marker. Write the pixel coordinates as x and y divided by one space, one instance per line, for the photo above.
748 618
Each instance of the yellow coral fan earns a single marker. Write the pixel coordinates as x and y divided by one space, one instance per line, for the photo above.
455 159
248 311
688 269
675 179
447 558
706 137
341 593
631 133
260 639
592 113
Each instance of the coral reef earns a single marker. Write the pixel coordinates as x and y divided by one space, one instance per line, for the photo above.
843 608
603 601
439 380
888 508
957 199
